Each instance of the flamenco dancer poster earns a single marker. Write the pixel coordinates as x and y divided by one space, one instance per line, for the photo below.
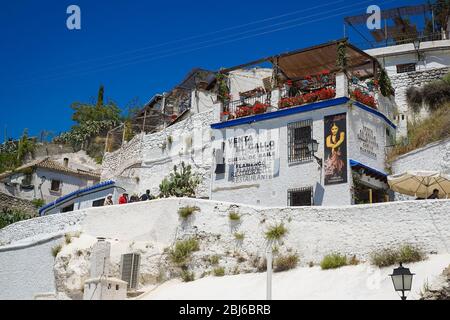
335 149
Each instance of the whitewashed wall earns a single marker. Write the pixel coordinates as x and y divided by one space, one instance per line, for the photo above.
152 226
274 192
27 270
433 157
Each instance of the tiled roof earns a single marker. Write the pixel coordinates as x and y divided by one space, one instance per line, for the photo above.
46 163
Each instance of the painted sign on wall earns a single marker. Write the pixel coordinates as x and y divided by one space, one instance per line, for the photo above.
335 149
368 144
253 157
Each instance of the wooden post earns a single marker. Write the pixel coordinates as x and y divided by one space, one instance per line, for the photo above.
145 117
370 196
386 197
106 143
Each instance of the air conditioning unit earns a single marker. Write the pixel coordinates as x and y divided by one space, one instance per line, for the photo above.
129 269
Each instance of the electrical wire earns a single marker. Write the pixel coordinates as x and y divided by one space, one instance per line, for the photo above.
198 36
136 60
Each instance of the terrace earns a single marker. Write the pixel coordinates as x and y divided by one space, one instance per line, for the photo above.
333 70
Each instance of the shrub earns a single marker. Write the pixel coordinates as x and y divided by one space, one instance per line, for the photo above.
183 250
333 261
186 212
10 216
410 254
56 250
239 236
390 257
414 98
214 260
284 263
276 232
353 261
68 238
180 183
436 94
79 253
436 127
187 276
219 272
38 203
234 216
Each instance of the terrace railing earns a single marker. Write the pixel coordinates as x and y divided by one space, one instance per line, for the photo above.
363 91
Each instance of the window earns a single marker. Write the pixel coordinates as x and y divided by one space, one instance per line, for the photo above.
299 137
56 185
98 203
300 197
404 68
68 208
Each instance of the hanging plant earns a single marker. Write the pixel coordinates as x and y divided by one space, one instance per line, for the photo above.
223 92
341 61
384 82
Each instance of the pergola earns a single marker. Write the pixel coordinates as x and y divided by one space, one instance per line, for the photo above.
296 65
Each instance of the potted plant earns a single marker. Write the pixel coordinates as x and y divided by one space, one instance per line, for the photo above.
225 115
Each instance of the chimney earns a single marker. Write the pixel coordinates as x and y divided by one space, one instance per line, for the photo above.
66 162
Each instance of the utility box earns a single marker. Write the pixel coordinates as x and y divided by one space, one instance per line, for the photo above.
100 258
129 269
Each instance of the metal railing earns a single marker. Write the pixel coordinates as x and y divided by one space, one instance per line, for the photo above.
237 108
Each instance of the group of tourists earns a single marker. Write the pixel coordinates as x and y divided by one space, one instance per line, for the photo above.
124 198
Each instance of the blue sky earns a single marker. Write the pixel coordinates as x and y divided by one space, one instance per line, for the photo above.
138 48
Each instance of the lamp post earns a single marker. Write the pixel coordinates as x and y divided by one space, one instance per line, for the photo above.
313 147
402 280
269 258
417 48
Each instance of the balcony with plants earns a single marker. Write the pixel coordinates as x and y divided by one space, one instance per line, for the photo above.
308 76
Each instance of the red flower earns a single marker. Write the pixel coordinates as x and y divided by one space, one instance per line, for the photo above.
364 98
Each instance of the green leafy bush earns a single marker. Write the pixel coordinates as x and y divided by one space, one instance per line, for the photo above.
219 272
390 257
183 250
239 236
284 263
10 216
56 250
276 232
182 182
234 216
333 261
187 276
186 212
38 203
68 238
214 260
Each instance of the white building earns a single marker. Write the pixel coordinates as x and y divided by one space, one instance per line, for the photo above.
202 137
90 197
409 67
267 158
46 179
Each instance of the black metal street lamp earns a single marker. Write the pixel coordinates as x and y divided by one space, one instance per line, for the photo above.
402 280
417 47
313 147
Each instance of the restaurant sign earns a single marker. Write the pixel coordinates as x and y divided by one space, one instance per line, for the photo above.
368 144
253 157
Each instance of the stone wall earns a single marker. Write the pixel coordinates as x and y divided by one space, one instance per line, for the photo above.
128 155
402 81
10 202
